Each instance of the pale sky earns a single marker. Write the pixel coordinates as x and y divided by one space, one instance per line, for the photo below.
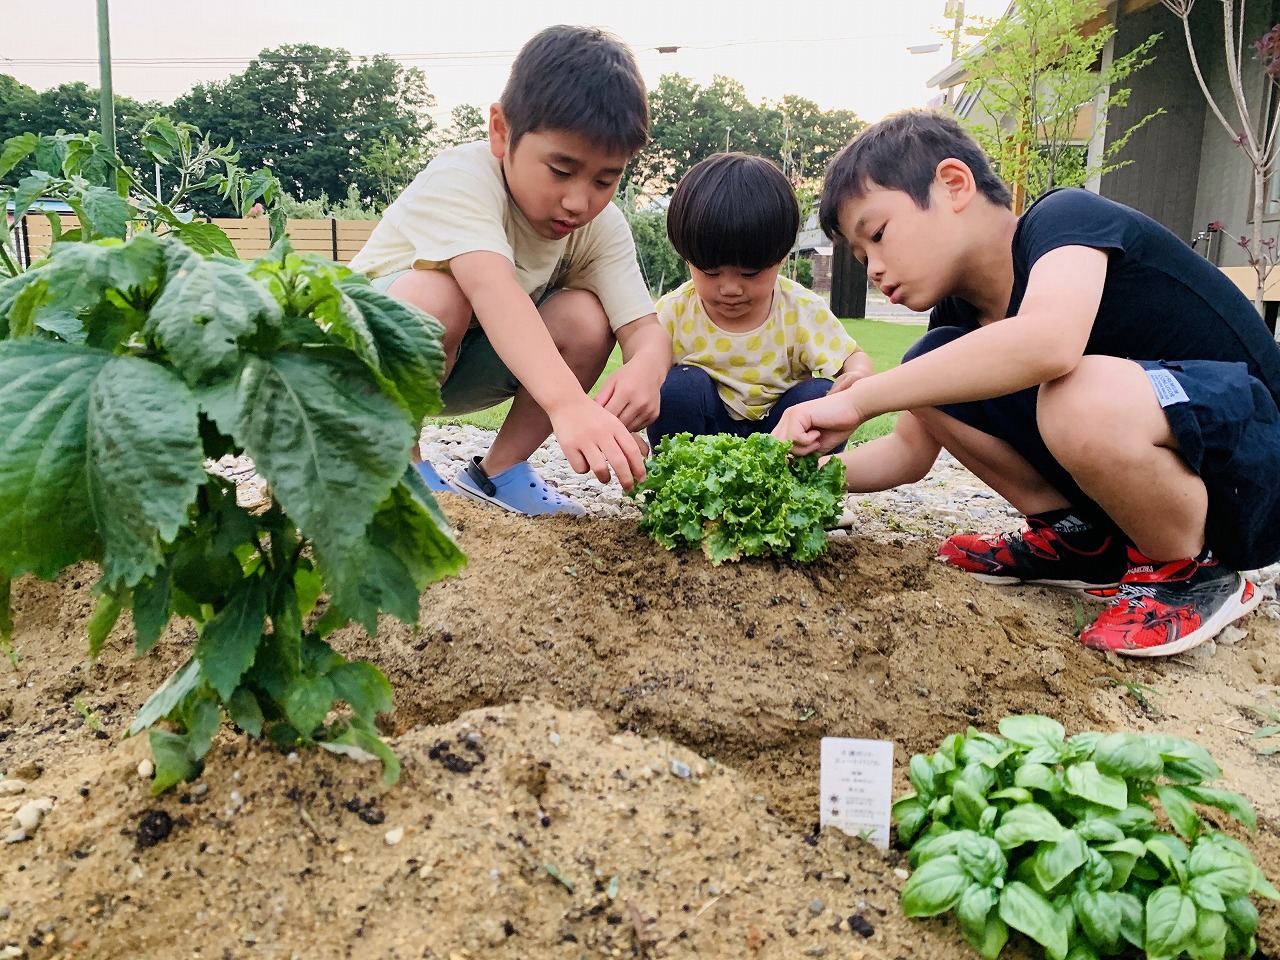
838 53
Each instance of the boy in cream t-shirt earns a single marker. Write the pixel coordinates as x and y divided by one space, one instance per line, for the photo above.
514 246
747 343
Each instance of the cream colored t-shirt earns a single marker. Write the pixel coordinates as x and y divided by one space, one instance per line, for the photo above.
800 339
459 204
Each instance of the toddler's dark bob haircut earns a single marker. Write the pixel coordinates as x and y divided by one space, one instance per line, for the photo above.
733 210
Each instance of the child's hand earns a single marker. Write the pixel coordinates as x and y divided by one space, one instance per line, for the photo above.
595 440
632 393
819 424
846 380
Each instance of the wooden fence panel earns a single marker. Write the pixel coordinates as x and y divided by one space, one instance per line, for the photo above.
250 237
352 235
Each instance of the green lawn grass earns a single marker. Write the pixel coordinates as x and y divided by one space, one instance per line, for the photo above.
884 342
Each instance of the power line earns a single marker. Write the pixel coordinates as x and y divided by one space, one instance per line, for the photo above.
456 56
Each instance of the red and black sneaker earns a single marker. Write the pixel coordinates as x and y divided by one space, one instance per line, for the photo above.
1163 609
1036 554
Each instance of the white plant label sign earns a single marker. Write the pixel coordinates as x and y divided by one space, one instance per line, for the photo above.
856 780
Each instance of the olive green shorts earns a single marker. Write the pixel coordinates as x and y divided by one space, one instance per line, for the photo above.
479 379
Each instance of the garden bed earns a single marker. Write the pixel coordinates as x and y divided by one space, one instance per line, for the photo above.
548 708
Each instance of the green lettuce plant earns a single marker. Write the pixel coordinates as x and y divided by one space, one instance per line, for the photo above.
1058 838
739 497
126 368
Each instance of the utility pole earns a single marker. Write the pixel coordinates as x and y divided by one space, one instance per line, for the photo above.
106 97
955 10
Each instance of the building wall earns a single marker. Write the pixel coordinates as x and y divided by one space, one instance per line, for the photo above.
1187 172
1226 177
1161 181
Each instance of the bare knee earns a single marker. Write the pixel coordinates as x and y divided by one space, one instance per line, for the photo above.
1104 409
579 327
439 295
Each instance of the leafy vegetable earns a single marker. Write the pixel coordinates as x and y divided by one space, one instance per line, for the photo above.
1056 838
127 368
739 497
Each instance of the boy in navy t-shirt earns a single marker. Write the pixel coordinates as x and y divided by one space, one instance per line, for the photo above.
1082 360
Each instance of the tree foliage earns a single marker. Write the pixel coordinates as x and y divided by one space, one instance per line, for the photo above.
311 113
1036 70
689 122
70 107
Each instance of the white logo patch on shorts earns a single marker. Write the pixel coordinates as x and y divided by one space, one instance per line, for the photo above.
1168 390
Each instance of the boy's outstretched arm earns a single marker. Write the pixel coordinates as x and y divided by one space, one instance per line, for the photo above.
902 456
592 438
632 392
1043 342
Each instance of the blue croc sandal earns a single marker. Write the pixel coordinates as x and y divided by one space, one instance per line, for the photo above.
518 489
435 482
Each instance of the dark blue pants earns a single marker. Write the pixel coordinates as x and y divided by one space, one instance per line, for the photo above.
1228 430
691 404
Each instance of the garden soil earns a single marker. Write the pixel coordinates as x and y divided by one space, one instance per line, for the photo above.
609 750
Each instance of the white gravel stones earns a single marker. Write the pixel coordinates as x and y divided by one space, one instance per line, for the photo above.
394 836
146 769
30 815
9 788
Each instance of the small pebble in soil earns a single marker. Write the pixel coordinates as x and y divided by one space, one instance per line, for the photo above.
31 813
900 873
681 770
145 769
861 925
394 836
11 787
554 738
153 826
200 789
817 905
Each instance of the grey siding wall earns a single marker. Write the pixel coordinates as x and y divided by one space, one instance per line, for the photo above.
1225 186
1162 178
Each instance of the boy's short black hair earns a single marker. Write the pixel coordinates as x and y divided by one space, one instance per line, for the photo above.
580 79
902 152
733 210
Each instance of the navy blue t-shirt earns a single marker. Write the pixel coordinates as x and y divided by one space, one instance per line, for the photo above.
1161 300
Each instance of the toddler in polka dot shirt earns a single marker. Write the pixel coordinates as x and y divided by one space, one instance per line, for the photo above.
748 344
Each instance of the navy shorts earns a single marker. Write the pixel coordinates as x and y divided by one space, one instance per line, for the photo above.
1227 427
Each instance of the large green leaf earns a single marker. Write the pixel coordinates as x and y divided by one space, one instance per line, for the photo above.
46 521
108 213
1028 822
1085 781
205 238
16 149
207 308
171 693
1033 731
1171 922
408 344
408 547
144 463
1025 910
935 887
329 443
229 641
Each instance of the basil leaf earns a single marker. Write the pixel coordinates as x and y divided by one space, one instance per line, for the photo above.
935 887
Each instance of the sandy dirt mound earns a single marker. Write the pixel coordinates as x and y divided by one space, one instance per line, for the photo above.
549 706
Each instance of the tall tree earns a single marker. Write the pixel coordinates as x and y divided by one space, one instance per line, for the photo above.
467 124
309 113
808 136
1037 71
70 108
690 122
